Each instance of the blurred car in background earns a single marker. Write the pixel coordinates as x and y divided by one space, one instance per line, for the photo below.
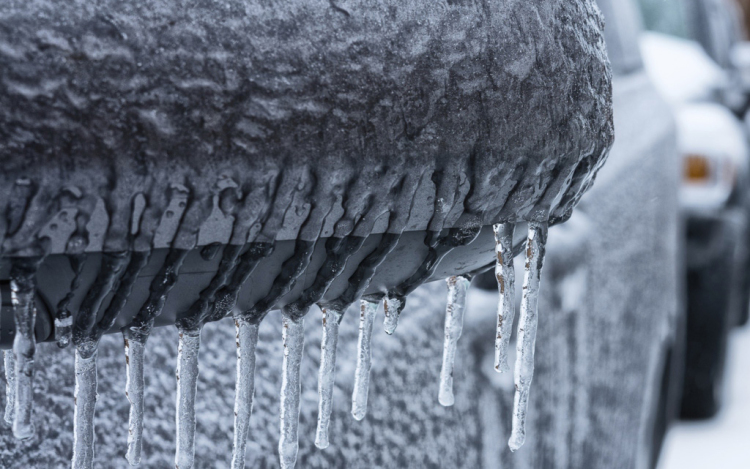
687 52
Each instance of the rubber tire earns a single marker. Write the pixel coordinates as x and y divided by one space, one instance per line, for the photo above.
709 321
743 315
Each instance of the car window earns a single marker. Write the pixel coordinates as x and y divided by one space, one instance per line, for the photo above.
718 29
623 24
668 17
712 23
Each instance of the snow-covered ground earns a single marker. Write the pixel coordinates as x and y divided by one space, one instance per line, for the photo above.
723 442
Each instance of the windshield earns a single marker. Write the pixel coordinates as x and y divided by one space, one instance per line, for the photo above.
667 16
712 23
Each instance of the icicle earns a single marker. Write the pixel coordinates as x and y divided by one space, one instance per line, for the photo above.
10 385
293 337
138 331
364 358
63 329
527 326
22 290
393 307
85 404
506 285
134 393
63 318
454 323
187 386
327 374
247 341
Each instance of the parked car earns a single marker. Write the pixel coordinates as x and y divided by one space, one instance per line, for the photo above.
687 53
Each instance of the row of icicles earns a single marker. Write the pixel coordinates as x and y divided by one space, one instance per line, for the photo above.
19 364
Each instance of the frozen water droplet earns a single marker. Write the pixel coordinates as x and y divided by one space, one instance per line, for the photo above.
63 329
527 326
22 290
506 283
454 320
364 359
247 341
134 393
393 307
187 386
85 406
327 374
10 386
293 338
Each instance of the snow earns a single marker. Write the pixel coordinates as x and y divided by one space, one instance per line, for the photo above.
721 442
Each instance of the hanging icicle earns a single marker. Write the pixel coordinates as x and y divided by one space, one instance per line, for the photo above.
22 291
327 373
393 306
134 393
293 337
136 335
364 358
527 326
454 320
187 386
247 341
10 385
85 405
506 283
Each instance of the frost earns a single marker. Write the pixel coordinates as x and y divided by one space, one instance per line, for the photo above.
187 385
327 373
134 393
364 358
506 281
293 338
247 341
85 405
527 327
454 319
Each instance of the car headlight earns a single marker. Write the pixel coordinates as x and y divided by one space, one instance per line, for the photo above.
707 181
